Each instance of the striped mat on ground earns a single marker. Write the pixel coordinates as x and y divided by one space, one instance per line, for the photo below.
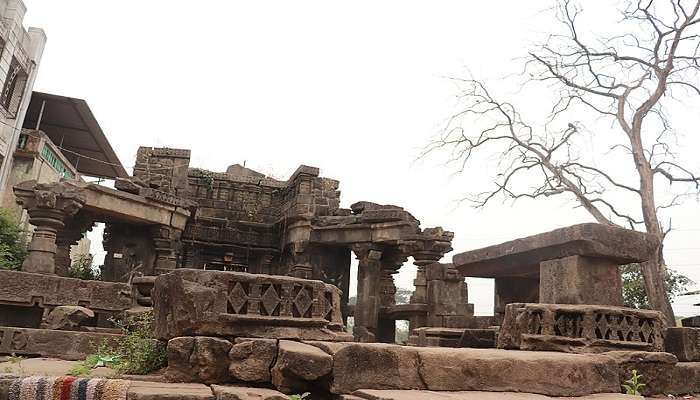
67 388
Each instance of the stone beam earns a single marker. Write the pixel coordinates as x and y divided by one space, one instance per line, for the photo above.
127 207
522 257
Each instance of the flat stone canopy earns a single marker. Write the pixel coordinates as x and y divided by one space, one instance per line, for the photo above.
522 257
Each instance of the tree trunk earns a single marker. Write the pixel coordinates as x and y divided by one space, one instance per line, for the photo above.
654 272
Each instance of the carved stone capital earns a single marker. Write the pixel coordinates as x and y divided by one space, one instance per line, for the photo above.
49 206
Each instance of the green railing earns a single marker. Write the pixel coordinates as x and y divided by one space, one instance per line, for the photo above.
22 142
52 159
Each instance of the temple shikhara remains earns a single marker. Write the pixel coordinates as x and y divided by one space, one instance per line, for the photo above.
247 278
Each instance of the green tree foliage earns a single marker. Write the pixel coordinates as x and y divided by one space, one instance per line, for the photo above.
13 243
82 268
633 293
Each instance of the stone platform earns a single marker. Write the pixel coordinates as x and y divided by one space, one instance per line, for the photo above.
345 367
445 374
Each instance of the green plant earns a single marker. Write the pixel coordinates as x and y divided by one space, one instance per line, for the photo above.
79 369
102 359
136 352
634 384
13 242
633 292
82 268
299 396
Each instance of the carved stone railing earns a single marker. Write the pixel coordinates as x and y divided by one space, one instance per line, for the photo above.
191 302
580 328
257 237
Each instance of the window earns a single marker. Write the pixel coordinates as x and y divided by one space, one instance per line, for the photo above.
13 88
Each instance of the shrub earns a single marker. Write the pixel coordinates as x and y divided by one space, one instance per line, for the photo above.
137 352
82 268
13 242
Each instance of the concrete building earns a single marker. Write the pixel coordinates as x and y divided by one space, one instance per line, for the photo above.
60 139
20 52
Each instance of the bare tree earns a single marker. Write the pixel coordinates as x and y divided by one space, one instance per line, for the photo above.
621 81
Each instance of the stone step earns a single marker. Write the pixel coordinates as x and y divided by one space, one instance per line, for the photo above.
382 366
430 395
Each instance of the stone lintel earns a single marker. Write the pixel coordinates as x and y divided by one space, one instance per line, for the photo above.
522 257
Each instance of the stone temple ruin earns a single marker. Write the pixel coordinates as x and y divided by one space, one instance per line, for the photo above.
248 280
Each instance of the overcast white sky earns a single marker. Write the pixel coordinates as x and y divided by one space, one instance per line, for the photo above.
355 88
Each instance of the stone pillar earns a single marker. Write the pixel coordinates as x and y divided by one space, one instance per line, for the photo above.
165 242
49 205
580 280
511 289
368 302
266 263
68 237
421 260
300 266
426 247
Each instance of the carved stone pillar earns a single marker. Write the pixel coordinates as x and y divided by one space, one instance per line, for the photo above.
165 242
426 247
69 236
301 265
368 296
266 263
49 205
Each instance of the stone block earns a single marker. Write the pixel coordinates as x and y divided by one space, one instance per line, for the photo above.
23 288
478 338
298 366
691 322
141 390
435 337
580 280
656 368
251 359
68 317
67 345
684 343
470 395
244 393
685 378
551 374
198 359
375 366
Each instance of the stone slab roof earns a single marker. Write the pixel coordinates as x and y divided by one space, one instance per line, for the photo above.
521 257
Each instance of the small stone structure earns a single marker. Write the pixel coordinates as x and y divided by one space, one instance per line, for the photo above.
573 265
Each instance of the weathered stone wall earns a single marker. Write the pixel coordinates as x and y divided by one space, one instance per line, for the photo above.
163 169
